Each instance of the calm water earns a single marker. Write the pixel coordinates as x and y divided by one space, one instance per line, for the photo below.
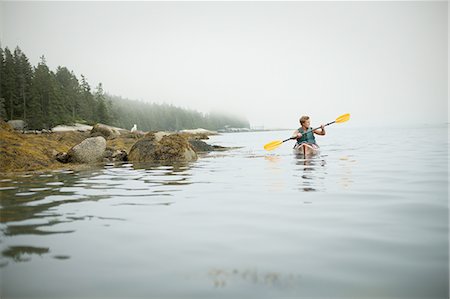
367 218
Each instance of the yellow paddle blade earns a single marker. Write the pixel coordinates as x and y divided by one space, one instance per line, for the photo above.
343 118
272 145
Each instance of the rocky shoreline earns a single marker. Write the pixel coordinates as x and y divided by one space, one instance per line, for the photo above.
79 149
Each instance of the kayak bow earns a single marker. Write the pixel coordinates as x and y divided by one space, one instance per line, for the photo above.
306 149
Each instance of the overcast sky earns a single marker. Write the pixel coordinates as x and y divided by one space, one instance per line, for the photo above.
383 62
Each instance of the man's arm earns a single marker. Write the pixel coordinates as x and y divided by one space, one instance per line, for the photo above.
320 131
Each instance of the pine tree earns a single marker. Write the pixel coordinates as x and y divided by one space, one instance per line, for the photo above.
47 96
58 112
87 102
24 74
9 85
102 110
70 92
2 109
40 94
2 77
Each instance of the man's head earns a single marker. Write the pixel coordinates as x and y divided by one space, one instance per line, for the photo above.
304 121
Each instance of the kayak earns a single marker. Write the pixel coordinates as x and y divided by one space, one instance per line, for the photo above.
306 149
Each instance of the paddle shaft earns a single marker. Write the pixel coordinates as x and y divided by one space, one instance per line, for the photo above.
311 130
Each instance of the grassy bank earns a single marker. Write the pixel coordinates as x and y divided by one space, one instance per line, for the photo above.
29 152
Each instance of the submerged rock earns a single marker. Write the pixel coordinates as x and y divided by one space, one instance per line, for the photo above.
89 150
170 148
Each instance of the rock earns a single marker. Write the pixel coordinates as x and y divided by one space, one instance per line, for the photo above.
105 131
120 156
111 155
143 149
201 146
160 135
138 134
62 157
75 127
198 134
108 153
89 150
36 132
171 148
17 124
195 136
199 131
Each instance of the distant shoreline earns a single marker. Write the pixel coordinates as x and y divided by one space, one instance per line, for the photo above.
243 130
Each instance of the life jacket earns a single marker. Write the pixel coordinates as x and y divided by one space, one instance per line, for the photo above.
307 136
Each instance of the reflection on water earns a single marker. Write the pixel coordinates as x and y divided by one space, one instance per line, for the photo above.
273 159
353 222
312 172
222 278
23 253
34 229
276 182
29 209
346 163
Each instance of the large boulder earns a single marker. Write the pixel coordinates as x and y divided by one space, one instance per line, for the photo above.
89 150
17 124
143 150
105 131
170 148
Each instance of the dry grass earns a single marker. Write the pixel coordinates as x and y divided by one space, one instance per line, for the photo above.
29 152
25 152
122 143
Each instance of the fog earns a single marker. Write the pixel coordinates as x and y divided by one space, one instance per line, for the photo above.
386 63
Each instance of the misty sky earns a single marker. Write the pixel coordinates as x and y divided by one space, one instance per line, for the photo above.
384 62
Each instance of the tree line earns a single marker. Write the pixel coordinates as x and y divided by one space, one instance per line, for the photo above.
156 117
44 98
